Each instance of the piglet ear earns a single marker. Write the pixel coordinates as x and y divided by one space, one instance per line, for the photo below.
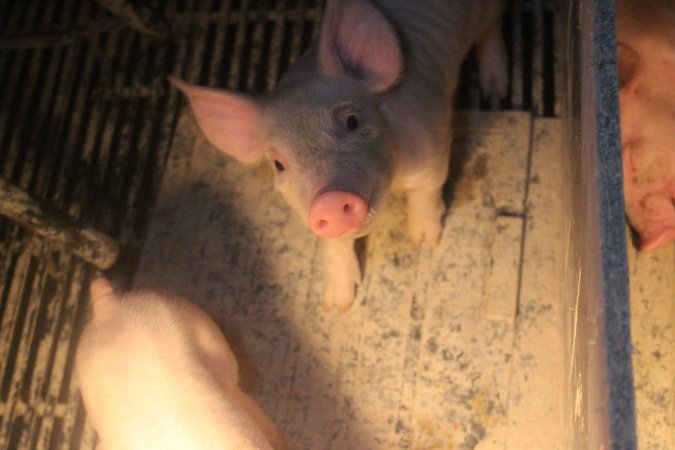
629 63
229 120
357 40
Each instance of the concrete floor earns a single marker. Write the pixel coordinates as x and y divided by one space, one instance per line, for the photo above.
455 347
652 290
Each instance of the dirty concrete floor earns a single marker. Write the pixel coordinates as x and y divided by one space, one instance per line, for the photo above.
652 291
458 346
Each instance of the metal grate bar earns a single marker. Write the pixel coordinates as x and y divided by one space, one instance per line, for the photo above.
515 43
47 150
12 351
238 55
537 48
24 98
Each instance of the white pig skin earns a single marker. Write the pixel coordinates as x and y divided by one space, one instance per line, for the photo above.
646 53
366 111
155 372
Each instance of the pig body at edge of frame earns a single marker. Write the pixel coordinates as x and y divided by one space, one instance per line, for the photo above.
155 372
365 111
646 55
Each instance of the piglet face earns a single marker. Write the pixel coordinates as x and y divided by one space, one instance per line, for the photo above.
331 152
321 129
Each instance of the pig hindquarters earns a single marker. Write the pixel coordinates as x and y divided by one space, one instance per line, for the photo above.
155 372
646 52
367 110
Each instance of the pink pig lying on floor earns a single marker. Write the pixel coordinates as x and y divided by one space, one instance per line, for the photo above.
646 46
367 110
155 372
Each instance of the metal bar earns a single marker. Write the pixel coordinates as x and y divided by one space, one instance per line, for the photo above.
24 326
138 16
41 40
516 55
13 316
236 67
218 47
537 43
275 46
255 58
85 242
63 386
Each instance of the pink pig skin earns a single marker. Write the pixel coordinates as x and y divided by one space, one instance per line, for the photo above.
365 111
155 372
646 36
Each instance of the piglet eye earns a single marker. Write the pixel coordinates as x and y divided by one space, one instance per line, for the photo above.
277 165
352 122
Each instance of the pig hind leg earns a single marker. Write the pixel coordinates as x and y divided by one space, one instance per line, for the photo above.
492 61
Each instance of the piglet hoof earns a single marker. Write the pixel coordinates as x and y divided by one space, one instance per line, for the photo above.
425 210
342 309
340 288
340 297
421 231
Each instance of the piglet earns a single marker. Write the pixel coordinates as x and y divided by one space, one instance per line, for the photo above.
646 52
367 110
155 372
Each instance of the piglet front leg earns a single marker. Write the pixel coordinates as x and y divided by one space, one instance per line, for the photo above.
341 273
425 209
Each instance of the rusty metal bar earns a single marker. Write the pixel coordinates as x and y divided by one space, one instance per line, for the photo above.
138 16
84 242
38 40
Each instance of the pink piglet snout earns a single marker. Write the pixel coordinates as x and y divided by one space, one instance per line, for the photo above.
336 213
